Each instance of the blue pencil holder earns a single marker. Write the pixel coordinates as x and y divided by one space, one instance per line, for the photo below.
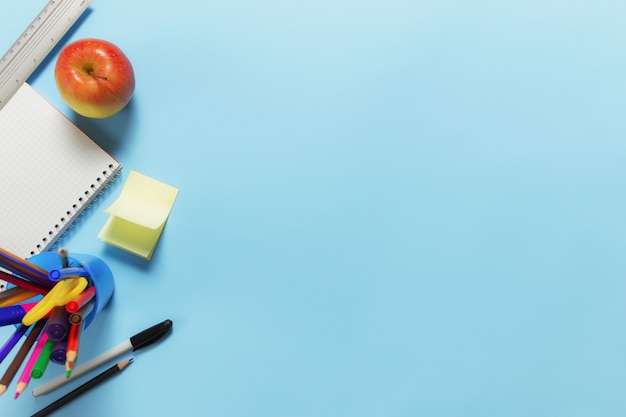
99 272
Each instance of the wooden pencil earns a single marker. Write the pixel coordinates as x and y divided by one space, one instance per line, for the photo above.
12 341
73 344
83 388
24 268
11 371
25 377
15 295
22 283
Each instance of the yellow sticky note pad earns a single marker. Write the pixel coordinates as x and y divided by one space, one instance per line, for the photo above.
138 215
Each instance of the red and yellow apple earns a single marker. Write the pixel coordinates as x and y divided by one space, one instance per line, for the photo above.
94 77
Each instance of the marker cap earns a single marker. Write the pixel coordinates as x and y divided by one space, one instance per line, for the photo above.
100 274
57 354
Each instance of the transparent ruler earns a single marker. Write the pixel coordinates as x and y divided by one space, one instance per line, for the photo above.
35 43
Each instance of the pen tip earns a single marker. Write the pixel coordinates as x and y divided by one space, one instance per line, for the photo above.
17 394
68 373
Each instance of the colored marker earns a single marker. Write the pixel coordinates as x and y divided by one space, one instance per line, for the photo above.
24 379
73 344
136 342
58 325
15 295
74 305
62 292
81 314
57 355
43 359
8 376
12 341
14 314
63 273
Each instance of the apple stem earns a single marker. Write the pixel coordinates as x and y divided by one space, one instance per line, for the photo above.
97 76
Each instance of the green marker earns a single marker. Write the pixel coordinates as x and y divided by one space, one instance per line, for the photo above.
42 360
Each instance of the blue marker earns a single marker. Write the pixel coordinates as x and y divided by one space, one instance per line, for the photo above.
59 274
14 314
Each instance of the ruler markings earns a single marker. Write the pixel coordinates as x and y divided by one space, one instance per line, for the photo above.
24 39
30 40
35 43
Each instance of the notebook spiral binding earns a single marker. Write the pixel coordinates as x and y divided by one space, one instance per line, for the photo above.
78 209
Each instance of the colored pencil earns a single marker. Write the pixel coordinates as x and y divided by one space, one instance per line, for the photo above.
24 378
24 268
73 344
12 341
15 295
83 388
74 305
22 283
8 376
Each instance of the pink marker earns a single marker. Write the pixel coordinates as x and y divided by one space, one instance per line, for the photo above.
22 383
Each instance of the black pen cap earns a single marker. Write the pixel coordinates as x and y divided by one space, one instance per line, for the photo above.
150 335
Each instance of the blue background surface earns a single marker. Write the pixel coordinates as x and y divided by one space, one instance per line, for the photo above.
393 208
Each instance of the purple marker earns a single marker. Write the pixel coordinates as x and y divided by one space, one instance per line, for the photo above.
58 324
57 355
12 341
14 314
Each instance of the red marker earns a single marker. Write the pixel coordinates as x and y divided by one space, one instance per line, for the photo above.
74 305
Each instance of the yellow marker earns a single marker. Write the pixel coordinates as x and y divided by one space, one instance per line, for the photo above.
63 292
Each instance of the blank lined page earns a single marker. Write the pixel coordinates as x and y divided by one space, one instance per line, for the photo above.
49 172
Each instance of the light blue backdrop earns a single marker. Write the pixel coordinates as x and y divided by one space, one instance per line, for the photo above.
387 208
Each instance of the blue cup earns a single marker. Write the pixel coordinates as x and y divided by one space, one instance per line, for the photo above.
99 272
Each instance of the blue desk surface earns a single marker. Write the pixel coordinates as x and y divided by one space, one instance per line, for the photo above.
393 208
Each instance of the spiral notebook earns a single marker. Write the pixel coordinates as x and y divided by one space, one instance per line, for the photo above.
50 171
